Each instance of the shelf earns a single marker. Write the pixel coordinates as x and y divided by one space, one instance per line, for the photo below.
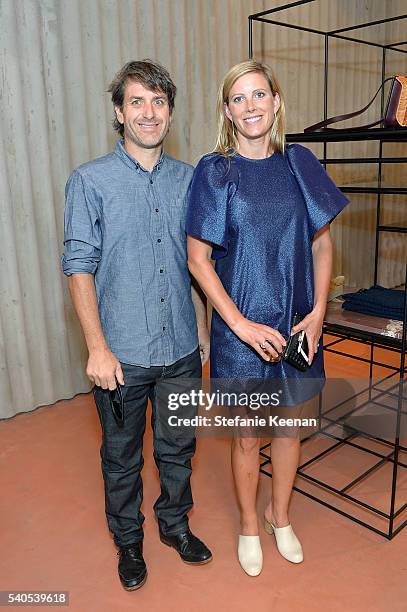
383 190
365 160
357 325
385 135
392 227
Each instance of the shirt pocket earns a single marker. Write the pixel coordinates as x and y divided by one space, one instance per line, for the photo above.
178 211
177 237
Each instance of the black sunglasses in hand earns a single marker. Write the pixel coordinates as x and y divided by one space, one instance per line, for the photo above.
117 404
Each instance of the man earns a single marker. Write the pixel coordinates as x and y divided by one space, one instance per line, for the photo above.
125 255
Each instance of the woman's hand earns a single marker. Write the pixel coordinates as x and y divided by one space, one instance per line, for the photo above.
312 324
265 340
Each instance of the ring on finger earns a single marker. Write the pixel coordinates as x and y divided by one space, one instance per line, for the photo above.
262 345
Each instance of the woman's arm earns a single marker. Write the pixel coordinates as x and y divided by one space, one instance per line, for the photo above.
254 334
199 302
322 262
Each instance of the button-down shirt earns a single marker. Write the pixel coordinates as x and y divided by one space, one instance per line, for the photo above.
126 226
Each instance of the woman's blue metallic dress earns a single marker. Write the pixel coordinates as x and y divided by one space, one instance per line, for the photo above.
261 215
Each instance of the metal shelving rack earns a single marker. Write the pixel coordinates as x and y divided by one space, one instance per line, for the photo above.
391 451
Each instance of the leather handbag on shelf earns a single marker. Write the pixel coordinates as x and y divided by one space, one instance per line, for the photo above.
394 116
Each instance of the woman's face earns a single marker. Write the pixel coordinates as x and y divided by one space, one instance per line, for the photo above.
252 106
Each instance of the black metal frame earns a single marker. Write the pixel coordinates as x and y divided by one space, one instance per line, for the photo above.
392 451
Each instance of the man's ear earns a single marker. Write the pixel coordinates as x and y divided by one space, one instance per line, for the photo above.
119 114
227 111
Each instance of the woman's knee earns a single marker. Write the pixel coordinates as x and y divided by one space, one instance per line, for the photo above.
290 440
246 445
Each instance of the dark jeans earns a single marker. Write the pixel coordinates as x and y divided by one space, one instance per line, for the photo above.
122 458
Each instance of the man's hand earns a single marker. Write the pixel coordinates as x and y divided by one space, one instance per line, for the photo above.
204 343
103 367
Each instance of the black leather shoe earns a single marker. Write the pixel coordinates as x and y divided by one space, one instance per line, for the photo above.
132 567
190 548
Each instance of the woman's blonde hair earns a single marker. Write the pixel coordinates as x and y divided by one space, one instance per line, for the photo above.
226 141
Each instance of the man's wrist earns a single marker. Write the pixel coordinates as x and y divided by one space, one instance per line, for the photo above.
98 348
203 330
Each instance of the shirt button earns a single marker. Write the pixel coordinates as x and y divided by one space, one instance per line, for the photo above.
159 240
164 328
151 181
161 270
162 299
156 210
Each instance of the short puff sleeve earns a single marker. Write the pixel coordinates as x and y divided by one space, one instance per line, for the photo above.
323 199
213 184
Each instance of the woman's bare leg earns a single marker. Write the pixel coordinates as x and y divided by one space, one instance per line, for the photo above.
245 468
285 458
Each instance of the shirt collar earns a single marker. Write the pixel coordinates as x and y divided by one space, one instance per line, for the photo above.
132 162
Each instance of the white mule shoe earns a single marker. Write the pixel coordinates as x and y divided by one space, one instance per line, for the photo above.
250 554
288 544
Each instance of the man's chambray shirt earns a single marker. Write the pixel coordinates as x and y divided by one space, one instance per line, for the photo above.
127 227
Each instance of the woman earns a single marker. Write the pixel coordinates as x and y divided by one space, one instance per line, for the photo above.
262 211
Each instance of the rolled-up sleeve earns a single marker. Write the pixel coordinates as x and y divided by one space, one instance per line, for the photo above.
82 232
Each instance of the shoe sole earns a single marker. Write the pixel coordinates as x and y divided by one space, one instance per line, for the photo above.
137 586
196 562
188 562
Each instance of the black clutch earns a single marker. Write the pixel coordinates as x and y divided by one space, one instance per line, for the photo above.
296 350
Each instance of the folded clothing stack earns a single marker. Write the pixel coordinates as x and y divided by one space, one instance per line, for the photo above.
335 287
377 301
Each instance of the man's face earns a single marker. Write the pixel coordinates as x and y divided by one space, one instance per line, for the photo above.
145 116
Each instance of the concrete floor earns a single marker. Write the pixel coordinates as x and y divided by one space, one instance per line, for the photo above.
54 534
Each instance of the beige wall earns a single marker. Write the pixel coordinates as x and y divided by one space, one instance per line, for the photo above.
57 58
